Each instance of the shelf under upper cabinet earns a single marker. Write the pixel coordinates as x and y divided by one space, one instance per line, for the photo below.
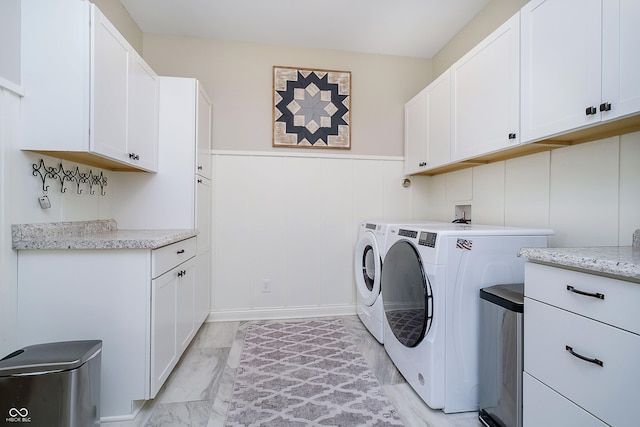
593 133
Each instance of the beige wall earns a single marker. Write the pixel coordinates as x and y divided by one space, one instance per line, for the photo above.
487 20
238 78
120 18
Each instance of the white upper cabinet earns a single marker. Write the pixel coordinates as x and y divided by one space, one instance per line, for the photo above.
580 62
485 86
89 97
428 127
203 154
620 58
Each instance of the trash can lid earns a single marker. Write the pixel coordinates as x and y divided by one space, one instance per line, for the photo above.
510 296
49 357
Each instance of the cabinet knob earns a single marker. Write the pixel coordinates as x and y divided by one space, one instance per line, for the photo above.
512 136
605 106
590 111
180 273
199 167
422 164
134 156
181 251
199 181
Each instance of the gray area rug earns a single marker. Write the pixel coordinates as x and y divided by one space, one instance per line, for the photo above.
306 374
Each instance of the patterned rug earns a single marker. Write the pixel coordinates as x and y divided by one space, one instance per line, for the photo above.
306 373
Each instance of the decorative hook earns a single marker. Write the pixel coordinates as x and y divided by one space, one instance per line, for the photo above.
60 174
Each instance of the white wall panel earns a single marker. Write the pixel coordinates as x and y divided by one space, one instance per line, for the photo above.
304 232
268 230
293 219
629 187
368 180
488 194
584 194
336 193
232 205
396 199
459 190
526 194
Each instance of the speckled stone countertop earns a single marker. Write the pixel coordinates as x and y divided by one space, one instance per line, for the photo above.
99 234
622 262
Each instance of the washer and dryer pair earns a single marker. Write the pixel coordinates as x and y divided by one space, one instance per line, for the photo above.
431 280
369 254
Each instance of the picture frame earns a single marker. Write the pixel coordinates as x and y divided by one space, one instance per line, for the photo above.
311 108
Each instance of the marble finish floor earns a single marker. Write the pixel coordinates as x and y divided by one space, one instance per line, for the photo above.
198 391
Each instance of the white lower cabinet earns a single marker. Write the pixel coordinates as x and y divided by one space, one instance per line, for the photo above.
579 353
139 302
172 320
546 407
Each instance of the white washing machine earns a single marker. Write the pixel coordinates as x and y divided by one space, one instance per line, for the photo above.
431 280
369 253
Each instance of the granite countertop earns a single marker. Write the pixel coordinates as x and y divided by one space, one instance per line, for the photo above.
622 262
99 234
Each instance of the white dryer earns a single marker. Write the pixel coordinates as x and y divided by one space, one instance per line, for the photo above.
431 280
369 253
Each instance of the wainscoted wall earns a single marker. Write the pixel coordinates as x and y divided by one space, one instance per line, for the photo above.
292 220
588 194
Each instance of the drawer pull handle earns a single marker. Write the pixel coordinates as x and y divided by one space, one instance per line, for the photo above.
181 251
581 357
587 294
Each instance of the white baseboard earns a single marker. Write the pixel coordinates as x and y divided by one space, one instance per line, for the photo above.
281 313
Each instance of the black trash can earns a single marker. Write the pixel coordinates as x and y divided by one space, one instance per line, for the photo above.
501 355
52 385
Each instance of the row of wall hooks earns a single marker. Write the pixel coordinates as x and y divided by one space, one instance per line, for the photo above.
74 176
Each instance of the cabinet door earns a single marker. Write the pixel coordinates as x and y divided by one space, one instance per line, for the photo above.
438 130
142 137
203 213
203 152
202 292
164 353
110 77
486 94
561 73
184 304
620 58
415 134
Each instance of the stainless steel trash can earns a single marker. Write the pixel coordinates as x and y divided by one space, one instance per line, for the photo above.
501 355
52 385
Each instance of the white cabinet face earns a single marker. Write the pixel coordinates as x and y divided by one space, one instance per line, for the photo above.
415 134
486 94
110 53
620 58
142 135
203 154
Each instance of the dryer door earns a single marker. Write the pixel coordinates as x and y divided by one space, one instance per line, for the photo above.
367 264
408 298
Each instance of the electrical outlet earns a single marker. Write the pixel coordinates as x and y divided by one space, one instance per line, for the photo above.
44 202
266 285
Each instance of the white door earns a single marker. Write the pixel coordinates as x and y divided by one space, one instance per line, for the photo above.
415 134
561 75
110 81
142 138
620 58
486 94
203 151
438 124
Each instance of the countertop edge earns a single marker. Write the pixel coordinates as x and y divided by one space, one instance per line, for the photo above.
618 262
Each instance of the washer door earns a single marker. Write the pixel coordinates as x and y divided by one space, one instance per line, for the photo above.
408 298
368 265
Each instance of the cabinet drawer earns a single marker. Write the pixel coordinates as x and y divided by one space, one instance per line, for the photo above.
609 391
165 258
618 306
544 407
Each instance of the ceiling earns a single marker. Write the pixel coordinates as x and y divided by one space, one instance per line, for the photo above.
415 28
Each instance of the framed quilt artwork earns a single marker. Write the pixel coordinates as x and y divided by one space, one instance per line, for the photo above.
311 108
